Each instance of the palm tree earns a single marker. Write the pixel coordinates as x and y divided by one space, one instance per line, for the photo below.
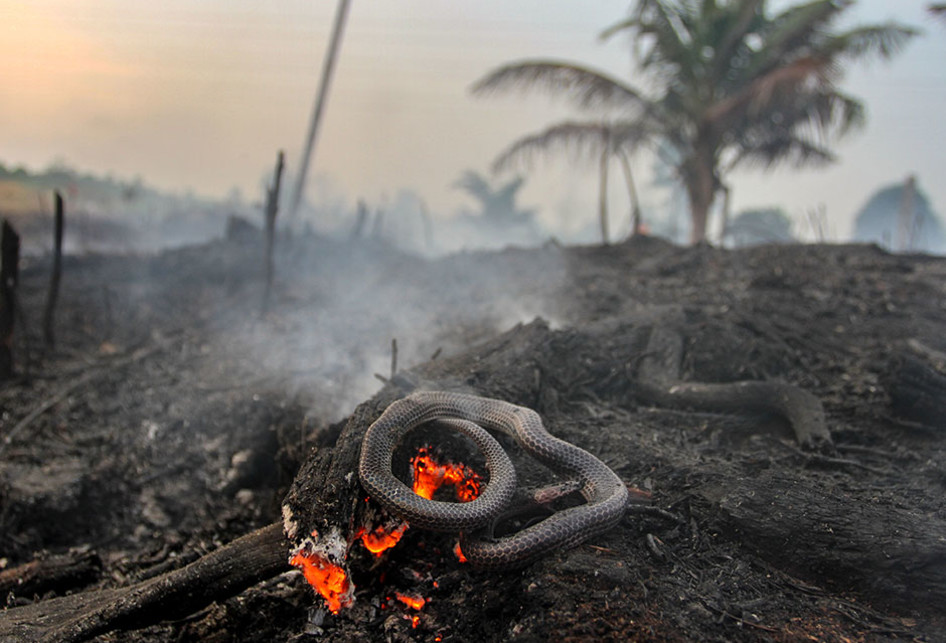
497 203
735 86
597 141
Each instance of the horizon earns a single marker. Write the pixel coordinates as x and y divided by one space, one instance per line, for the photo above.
201 97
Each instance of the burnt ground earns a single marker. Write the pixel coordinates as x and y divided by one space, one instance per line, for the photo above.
172 417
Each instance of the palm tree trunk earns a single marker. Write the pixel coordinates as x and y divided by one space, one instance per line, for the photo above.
328 70
603 194
636 222
701 189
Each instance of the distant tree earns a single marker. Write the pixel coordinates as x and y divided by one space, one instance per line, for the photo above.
881 221
735 85
497 203
761 225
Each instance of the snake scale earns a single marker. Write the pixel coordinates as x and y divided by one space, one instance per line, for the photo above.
603 490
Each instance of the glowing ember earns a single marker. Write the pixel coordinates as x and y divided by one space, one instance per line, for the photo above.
327 578
430 475
415 621
381 539
459 553
415 602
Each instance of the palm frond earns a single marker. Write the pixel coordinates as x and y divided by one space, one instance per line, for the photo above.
665 29
583 141
622 25
758 96
794 32
883 40
585 87
739 23
784 148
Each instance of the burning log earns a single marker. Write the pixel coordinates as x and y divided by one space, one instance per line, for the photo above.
9 278
48 335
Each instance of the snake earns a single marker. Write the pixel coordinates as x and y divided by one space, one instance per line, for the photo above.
604 492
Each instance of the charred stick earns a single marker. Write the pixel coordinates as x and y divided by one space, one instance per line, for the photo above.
48 335
272 209
9 278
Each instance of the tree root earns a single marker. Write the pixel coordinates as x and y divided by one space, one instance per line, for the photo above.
659 383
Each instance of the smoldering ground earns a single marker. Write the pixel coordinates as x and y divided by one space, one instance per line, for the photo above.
173 415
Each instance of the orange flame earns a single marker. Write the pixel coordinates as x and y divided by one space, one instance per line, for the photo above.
415 602
430 475
328 579
415 621
459 553
379 540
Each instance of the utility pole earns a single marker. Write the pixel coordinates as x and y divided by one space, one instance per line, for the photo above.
328 68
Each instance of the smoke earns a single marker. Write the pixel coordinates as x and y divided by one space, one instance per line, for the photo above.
338 303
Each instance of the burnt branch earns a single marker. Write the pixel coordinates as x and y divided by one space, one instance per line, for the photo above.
55 277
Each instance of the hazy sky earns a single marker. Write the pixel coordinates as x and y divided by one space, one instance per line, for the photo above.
200 95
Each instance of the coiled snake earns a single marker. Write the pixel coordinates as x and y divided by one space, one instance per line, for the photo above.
604 492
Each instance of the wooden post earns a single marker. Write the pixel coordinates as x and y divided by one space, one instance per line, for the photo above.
272 209
9 277
48 335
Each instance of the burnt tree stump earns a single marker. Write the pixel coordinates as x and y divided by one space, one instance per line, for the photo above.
9 278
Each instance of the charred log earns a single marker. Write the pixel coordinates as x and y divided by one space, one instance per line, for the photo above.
223 573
